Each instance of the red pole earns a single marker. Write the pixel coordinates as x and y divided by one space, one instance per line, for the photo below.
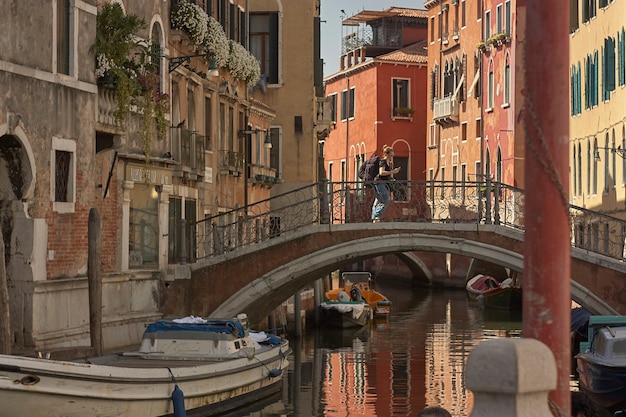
543 103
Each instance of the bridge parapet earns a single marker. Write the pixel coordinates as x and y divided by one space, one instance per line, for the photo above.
413 201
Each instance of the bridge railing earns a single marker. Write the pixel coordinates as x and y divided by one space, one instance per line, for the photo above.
412 201
257 222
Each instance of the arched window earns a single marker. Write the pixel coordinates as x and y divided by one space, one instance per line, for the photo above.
574 167
595 168
507 80
490 87
499 165
156 52
580 169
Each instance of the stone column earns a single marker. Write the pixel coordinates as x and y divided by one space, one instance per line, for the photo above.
511 378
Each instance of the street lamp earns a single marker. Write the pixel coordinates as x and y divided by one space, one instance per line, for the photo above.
177 61
619 151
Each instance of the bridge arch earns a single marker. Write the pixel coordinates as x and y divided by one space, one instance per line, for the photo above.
264 294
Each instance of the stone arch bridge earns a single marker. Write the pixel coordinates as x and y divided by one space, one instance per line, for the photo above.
258 278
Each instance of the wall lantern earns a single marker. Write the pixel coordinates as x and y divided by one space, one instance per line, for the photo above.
621 152
177 61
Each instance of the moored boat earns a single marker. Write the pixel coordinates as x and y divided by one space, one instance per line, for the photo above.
208 366
601 363
360 287
491 293
345 314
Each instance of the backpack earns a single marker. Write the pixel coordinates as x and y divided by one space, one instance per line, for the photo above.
369 170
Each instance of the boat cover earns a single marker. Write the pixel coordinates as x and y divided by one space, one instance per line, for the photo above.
213 326
580 321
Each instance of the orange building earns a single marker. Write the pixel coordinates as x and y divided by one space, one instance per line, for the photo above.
379 95
455 131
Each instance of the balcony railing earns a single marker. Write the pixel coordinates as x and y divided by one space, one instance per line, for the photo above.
188 148
263 175
230 163
446 109
367 36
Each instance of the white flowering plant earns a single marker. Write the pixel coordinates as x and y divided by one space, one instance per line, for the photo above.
242 64
216 42
205 31
191 19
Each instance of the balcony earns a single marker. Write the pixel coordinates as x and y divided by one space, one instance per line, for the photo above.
264 176
446 110
230 163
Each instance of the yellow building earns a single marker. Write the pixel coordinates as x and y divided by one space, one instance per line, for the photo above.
598 106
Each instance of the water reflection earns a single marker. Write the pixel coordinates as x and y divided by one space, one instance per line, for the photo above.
393 368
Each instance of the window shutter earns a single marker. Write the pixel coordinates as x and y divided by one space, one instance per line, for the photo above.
273 76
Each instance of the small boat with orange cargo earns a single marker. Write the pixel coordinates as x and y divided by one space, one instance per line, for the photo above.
359 285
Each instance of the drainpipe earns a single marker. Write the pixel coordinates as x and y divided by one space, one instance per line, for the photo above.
543 103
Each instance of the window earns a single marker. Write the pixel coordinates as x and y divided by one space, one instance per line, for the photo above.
400 97
575 90
594 189
589 10
347 104
333 107
156 52
621 58
490 88
454 179
432 29
580 171
143 238
591 80
208 123
507 18
432 137
608 68
464 132
499 22
462 13
487 24
275 151
344 105
479 128
351 108
507 81
264 43
63 175
604 3
175 224
479 9
63 36
573 16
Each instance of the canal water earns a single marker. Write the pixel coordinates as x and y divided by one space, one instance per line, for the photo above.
392 368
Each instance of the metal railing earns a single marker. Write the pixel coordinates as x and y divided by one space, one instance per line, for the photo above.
413 201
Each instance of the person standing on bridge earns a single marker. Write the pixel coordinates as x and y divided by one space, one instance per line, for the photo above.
386 171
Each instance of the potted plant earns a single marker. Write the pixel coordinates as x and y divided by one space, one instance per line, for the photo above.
115 41
403 111
129 66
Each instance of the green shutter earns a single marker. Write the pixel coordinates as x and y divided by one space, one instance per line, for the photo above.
273 76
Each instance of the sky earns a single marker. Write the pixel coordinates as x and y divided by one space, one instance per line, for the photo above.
331 30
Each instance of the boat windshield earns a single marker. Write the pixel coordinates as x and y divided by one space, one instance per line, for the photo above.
619 348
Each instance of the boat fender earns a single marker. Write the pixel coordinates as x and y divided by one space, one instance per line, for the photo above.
178 400
275 372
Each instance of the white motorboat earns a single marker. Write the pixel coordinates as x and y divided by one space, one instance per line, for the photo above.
208 366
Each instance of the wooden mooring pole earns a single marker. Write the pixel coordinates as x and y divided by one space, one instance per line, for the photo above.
5 315
94 278
542 77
